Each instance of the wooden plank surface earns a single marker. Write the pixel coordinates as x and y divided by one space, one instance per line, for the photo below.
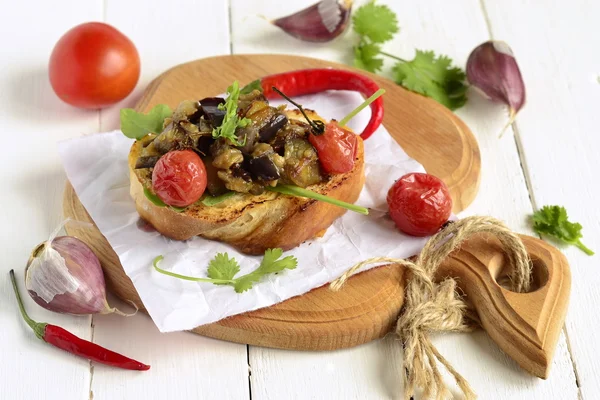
32 120
556 46
184 366
453 28
558 136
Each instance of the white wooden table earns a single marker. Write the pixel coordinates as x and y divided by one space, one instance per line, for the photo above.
549 157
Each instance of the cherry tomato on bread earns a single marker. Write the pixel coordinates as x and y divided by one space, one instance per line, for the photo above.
93 66
179 178
419 204
336 148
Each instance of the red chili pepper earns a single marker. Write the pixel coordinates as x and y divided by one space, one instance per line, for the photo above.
65 340
308 81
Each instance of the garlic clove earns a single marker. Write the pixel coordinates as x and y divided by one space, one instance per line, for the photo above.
64 275
493 69
321 22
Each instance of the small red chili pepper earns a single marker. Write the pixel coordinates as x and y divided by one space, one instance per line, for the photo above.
308 81
65 340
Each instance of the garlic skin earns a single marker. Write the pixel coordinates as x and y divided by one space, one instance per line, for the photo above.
64 275
321 22
492 68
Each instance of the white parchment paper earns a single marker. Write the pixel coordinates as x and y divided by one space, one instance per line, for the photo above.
97 168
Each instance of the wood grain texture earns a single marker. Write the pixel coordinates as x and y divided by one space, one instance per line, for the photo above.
561 118
427 131
424 129
554 45
184 366
452 28
32 120
524 325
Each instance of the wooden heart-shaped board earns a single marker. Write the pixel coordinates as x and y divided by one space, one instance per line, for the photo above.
369 304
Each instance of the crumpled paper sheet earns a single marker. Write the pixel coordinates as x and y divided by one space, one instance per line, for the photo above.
97 168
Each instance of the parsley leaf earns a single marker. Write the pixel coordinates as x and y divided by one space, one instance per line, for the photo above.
554 221
223 267
136 125
231 120
365 57
433 77
222 270
376 22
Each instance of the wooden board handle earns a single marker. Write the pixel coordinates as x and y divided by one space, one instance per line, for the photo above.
526 326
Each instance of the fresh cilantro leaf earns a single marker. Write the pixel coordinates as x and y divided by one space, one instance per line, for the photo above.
231 120
223 267
554 221
433 77
376 22
136 125
252 86
269 265
210 201
365 57
222 270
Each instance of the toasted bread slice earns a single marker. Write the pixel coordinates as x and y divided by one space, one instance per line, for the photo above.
254 223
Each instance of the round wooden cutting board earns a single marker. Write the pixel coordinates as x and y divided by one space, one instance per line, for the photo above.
369 304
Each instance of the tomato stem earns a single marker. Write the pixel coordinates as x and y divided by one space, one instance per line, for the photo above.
317 126
364 104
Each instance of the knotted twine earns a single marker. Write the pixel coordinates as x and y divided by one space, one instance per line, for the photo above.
431 306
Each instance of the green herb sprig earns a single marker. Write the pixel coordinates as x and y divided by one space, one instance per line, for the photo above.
554 221
222 270
231 121
427 74
136 125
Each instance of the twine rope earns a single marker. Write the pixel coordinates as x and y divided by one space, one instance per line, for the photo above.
437 307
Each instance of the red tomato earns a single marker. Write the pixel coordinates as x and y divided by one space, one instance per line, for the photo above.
179 178
336 148
93 66
419 204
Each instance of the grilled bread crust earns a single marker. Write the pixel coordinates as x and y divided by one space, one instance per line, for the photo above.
253 223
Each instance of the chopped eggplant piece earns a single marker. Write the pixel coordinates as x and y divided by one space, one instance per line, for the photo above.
247 99
187 110
210 110
251 134
301 163
226 156
239 172
263 168
214 185
203 144
169 139
146 162
269 131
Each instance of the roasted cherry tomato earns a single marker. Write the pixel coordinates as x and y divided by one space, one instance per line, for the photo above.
179 178
419 204
336 148
93 66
